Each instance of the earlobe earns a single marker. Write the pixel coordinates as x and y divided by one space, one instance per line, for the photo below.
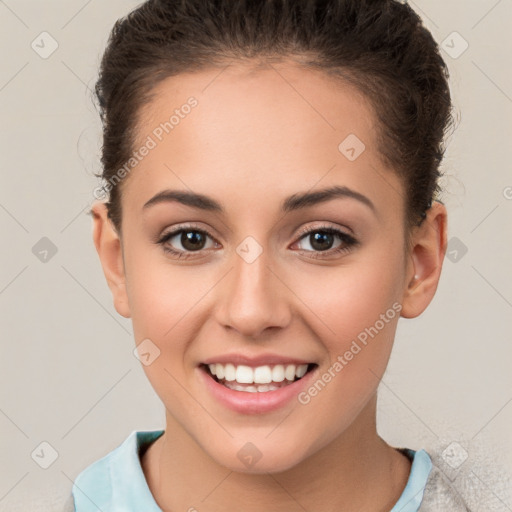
108 245
426 261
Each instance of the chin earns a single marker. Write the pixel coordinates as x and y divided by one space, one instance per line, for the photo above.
270 457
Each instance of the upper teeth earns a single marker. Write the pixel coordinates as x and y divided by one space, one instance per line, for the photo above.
259 375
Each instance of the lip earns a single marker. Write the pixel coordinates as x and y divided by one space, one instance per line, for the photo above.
254 403
260 360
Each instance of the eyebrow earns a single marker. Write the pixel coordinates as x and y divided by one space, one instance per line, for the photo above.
295 202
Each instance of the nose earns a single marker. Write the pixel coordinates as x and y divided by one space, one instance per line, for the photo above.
253 299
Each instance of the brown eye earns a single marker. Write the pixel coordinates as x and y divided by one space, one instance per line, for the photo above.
192 240
184 241
321 240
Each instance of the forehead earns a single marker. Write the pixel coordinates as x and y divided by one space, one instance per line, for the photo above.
238 98
279 128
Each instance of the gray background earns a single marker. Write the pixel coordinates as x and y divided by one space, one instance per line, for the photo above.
68 376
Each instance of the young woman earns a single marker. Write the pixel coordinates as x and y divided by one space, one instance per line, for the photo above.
270 176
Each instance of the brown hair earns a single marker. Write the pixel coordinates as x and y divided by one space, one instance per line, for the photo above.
380 46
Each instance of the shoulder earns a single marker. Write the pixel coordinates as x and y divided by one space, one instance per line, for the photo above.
56 498
94 486
69 505
117 479
440 495
428 489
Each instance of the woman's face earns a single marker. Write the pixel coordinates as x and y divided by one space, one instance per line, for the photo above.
248 285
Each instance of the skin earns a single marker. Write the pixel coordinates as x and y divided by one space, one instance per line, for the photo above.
257 136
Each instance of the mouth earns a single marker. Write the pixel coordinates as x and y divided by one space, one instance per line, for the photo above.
259 379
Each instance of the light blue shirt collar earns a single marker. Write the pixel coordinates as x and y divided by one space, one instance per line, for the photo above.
412 495
116 482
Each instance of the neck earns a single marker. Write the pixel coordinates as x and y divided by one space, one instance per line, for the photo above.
338 477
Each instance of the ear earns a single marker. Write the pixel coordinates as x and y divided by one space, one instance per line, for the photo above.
425 261
109 248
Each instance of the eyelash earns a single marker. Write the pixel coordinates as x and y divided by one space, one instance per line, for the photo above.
348 241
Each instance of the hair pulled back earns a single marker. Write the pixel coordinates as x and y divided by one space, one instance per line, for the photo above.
380 46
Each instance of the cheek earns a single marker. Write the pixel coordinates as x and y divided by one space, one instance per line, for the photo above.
355 322
162 295
347 299
353 310
165 302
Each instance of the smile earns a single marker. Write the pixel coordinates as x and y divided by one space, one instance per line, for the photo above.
260 379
